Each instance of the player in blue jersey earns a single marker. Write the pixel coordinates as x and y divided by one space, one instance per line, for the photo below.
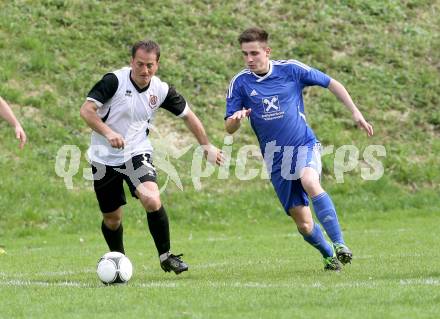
269 93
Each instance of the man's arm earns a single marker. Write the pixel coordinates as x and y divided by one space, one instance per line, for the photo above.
341 93
88 113
232 123
8 115
214 155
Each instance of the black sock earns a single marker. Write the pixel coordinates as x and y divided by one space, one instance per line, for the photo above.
114 238
159 229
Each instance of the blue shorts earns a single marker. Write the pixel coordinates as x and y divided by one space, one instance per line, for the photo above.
286 174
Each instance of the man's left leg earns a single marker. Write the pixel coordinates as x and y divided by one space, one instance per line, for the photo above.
312 234
325 212
141 179
158 224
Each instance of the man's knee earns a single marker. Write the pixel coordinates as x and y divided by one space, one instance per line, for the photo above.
149 195
305 228
112 220
150 203
311 185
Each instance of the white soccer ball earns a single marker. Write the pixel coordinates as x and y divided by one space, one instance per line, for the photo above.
114 267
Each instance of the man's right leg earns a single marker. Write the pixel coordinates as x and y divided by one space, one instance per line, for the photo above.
110 195
312 234
112 230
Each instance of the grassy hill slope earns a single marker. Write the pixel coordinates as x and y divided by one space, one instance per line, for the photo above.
386 54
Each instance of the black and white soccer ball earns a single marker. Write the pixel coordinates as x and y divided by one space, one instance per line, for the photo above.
114 267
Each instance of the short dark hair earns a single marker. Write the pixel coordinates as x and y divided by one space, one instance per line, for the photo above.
253 34
148 46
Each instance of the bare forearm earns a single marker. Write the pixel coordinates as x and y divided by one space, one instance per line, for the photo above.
341 93
231 125
7 114
212 153
88 114
96 124
196 128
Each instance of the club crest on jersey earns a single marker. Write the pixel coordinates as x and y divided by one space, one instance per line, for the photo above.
271 104
153 101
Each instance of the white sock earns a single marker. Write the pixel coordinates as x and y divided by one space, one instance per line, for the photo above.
164 256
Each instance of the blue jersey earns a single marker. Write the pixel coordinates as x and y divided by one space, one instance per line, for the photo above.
276 101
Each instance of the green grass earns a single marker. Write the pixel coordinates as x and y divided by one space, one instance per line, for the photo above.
384 53
246 259
237 270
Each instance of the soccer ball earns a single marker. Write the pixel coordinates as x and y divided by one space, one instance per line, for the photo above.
114 267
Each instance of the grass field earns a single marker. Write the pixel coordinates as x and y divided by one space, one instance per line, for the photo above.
246 259
236 271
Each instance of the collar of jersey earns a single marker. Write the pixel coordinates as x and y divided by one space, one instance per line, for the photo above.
261 78
137 87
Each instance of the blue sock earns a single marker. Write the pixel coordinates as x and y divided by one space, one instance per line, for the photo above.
326 213
317 240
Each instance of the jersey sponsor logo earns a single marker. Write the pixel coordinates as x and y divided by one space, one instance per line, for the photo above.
272 108
253 93
271 104
153 101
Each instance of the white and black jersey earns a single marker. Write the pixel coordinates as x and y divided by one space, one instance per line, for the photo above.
129 111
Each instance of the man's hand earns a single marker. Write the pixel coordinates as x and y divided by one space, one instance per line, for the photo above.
232 123
116 140
21 135
239 115
362 123
214 155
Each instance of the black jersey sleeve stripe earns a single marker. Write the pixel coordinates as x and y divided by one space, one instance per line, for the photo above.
174 102
106 116
104 90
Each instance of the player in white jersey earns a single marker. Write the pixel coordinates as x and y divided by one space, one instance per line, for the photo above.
7 114
119 109
269 93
